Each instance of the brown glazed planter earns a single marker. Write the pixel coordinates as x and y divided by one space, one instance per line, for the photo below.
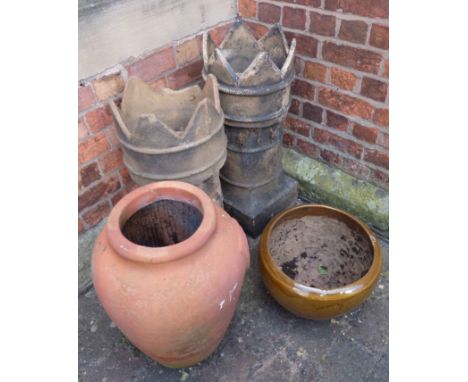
315 303
173 288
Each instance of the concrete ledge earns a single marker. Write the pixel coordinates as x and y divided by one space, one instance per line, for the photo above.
320 183
110 32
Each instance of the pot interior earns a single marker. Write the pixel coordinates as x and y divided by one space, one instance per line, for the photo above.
162 223
320 251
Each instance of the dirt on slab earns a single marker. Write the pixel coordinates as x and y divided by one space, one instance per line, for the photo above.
320 252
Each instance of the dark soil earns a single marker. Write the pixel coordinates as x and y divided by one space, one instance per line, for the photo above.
320 252
162 223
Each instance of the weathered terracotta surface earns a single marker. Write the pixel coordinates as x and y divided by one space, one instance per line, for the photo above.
172 135
173 302
254 82
315 303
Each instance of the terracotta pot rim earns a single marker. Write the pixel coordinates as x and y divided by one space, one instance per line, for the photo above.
304 291
143 196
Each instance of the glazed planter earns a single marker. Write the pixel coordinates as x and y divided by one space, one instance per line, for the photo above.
254 79
168 268
312 302
172 135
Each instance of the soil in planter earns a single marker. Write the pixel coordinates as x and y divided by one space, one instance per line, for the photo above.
320 252
162 223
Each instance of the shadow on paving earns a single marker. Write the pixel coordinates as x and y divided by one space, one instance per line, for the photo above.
263 343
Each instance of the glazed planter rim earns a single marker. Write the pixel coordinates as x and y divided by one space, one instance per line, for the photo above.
306 292
150 193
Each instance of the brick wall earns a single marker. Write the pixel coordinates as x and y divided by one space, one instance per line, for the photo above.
339 111
102 177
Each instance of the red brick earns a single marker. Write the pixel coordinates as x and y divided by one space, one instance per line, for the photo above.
343 79
368 134
111 135
356 58
188 50
381 117
89 174
379 177
86 97
288 140
302 89
342 144
299 66
152 66
97 192
247 8
368 8
131 186
314 71
80 185
294 18
379 36
354 31
355 167
386 69
269 13
306 45
92 148
345 104
295 107
185 75
108 86
80 225
98 119
311 3
297 126
330 157
258 30
374 89
159 84
322 24
118 195
337 121
111 161
376 157
307 148
382 140
96 214
82 130
125 176
312 112
217 34
331 5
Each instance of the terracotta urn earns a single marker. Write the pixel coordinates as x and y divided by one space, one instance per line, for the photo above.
319 303
168 268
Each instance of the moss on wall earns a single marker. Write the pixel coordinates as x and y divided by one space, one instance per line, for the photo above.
320 183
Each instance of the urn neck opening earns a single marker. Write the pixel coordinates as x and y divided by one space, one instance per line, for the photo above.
161 222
